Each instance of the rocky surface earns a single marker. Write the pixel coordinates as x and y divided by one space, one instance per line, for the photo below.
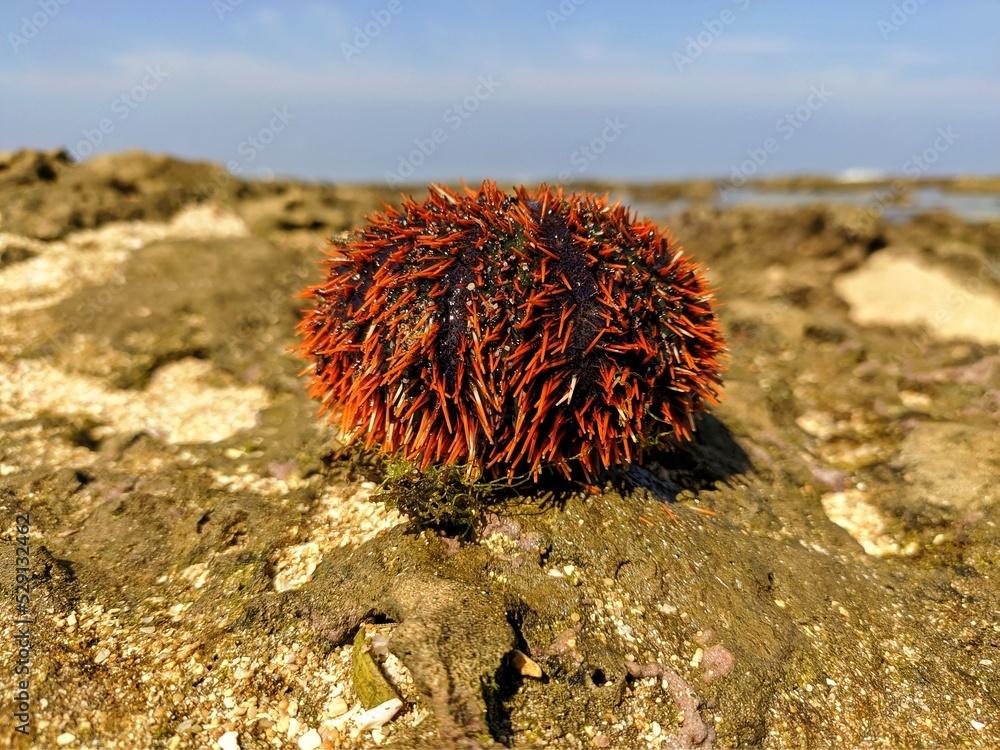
202 554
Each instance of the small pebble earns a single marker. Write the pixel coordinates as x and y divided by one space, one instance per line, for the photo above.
230 741
310 740
65 738
330 735
525 665
337 707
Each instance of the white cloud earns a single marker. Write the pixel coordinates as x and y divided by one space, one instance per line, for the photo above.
267 18
905 57
221 77
740 45
591 50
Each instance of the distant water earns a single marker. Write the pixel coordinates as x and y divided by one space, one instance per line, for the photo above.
970 206
977 207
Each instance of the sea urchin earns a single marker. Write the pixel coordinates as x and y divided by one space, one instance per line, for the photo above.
511 333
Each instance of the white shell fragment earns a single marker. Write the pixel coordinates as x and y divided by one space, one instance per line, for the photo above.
376 717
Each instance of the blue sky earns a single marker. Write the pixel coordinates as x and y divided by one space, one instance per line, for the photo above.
394 89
